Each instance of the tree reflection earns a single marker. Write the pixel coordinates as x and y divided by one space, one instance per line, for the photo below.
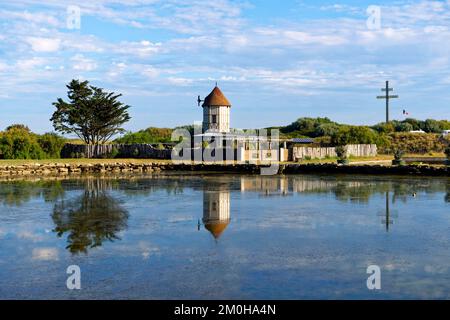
90 219
17 193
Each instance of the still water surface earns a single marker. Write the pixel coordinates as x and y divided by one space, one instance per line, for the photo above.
212 236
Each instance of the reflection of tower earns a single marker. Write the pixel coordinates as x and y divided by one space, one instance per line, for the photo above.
216 211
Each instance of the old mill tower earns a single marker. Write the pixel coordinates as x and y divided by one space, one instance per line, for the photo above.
216 112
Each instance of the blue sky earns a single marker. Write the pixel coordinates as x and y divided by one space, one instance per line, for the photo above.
276 61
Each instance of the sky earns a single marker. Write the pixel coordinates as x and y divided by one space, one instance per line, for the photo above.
276 61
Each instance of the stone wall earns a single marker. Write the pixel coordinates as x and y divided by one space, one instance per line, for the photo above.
66 169
355 150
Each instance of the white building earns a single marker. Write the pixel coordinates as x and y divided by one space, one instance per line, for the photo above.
216 127
216 112
446 133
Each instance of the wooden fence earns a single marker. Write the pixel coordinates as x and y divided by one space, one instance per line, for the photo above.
355 150
143 151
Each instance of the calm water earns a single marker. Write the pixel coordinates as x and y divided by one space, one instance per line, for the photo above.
183 236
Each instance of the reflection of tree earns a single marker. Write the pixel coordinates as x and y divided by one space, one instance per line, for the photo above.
16 193
89 220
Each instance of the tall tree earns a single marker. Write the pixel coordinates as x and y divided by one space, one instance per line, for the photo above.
93 114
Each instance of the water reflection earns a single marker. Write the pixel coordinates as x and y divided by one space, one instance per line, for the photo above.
96 215
17 193
90 219
216 209
297 232
388 215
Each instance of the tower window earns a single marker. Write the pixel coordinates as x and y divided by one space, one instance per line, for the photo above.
214 118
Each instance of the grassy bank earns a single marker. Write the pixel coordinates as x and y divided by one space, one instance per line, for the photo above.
369 160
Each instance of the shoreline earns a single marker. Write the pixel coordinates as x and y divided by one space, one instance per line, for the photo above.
99 167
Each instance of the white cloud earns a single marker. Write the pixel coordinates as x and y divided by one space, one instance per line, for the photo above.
44 44
80 63
28 235
150 72
143 49
45 254
30 64
39 18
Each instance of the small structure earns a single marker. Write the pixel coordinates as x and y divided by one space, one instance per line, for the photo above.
216 112
243 146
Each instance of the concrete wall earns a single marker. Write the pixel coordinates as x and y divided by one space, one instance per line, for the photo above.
355 150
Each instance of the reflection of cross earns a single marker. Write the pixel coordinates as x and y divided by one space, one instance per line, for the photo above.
388 221
387 97
387 215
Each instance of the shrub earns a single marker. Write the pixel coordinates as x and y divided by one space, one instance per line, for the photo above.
19 143
310 127
341 152
51 144
414 143
147 136
398 154
355 135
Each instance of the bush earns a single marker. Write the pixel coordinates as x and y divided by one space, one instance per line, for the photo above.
310 127
398 154
341 152
51 144
419 143
355 135
147 136
19 143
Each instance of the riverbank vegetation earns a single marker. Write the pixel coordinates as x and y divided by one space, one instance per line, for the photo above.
388 137
18 142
